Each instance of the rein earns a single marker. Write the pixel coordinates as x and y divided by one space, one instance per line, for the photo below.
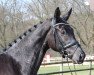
62 46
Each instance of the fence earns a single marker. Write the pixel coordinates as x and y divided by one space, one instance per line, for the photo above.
86 62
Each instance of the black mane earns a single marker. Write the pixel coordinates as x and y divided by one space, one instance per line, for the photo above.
30 30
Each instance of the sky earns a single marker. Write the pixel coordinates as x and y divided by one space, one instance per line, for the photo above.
86 2
26 1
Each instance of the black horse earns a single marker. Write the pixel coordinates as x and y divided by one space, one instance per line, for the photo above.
25 55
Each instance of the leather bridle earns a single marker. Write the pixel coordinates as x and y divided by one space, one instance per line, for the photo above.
62 46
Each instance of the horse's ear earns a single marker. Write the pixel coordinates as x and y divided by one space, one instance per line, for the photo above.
57 13
67 15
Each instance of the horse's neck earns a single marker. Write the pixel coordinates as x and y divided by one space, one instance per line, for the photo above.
27 50
39 57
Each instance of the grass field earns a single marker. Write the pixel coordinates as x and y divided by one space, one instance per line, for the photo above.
48 69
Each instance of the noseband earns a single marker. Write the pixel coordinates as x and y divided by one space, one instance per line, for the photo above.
62 46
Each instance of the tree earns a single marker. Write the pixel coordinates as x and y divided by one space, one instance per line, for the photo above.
17 16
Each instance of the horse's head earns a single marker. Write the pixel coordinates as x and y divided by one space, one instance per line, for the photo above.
61 38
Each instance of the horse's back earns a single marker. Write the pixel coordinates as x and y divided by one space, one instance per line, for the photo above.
8 66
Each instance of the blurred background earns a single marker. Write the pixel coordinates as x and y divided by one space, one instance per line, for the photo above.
16 16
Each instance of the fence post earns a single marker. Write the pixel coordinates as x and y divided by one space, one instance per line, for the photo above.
75 69
69 67
90 67
62 68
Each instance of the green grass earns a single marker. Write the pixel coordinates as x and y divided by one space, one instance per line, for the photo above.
80 73
48 69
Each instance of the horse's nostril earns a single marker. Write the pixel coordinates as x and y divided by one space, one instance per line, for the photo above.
81 57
